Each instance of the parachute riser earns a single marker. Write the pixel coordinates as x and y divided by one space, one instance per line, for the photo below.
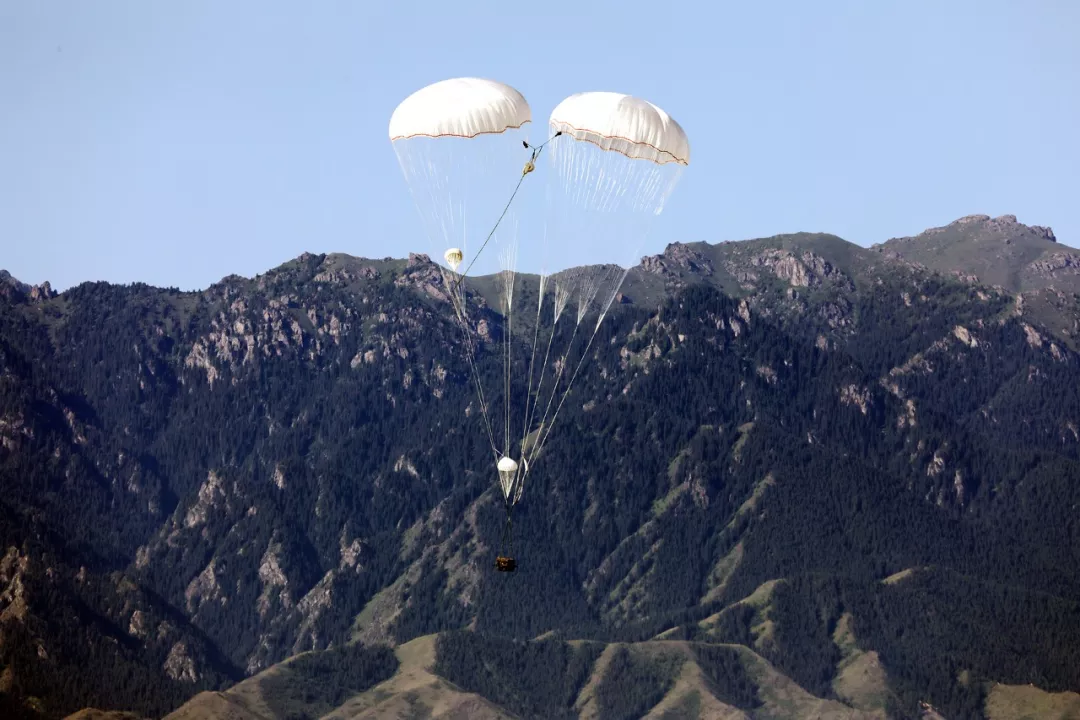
536 151
504 561
530 165
511 479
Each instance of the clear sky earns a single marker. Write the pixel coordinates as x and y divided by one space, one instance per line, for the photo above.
176 142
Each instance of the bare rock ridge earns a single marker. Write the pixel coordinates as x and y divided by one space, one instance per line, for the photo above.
975 249
1003 224
997 251
11 288
677 256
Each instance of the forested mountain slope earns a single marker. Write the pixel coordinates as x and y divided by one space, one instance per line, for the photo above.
790 456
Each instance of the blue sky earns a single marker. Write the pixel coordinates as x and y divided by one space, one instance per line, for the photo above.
178 142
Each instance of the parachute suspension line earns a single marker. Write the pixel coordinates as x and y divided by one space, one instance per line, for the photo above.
467 339
606 199
575 164
491 234
506 378
651 192
561 297
443 210
532 368
530 165
582 282
544 278
566 392
541 435
459 311
509 366
563 290
436 186
480 394
558 376
588 294
591 181
509 260
508 531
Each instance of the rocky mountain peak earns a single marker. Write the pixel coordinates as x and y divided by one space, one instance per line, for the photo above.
425 276
981 224
1006 225
13 289
416 259
1000 251
678 257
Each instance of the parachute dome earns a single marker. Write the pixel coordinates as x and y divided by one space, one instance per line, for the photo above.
507 476
459 107
628 125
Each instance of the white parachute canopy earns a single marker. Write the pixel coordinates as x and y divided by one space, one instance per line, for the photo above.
628 125
461 107
462 146
613 161
459 144
613 164
611 170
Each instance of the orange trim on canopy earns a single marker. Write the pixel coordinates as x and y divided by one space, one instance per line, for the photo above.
465 137
677 159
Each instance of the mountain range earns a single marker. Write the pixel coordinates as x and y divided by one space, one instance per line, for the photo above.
799 478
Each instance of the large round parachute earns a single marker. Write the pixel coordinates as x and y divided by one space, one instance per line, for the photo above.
459 144
613 160
623 124
461 107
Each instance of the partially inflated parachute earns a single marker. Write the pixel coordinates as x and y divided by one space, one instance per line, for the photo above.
613 162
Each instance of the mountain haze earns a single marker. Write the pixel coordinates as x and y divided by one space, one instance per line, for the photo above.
798 477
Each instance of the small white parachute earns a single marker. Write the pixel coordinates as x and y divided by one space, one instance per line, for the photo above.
508 474
453 257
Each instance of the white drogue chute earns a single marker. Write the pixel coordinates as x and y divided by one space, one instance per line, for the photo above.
453 257
508 471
